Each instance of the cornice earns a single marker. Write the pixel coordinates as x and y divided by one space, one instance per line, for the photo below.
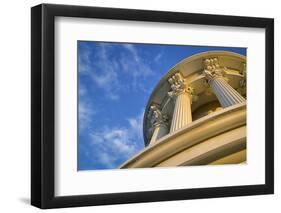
196 132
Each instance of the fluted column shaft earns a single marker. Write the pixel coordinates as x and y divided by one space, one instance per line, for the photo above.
226 95
160 130
182 95
214 74
182 112
159 122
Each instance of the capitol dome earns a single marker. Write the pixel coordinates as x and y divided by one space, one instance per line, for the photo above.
196 115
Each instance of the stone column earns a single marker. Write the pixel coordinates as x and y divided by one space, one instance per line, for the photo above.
243 82
226 95
182 95
160 125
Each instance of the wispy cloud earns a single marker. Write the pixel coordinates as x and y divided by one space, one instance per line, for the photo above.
86 109
101 69
158 57
133 51
106 66
132 63
86 113
111 72
136 124
114 145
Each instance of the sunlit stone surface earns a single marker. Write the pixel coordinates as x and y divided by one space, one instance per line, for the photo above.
196 115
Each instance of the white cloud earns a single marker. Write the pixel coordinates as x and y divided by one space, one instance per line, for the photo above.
136 124
158 57
101 69
114 140
82 90
86 113
133 51
118 143
105 65
86 109
107 159
134 63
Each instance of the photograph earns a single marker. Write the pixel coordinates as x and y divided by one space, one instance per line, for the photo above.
136 105
146 105
140 106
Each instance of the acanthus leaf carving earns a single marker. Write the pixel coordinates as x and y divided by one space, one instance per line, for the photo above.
212 68
179 86
156 116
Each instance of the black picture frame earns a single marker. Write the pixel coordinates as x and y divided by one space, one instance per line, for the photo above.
43 102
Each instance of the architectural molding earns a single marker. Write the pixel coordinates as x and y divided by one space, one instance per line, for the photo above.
211 130
195 133
185 92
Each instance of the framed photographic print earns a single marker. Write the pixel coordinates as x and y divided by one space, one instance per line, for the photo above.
140 106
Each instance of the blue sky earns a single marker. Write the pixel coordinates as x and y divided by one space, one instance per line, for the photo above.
115 82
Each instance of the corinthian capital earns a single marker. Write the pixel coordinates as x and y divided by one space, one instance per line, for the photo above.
157 117
178 85
211 64
212 68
